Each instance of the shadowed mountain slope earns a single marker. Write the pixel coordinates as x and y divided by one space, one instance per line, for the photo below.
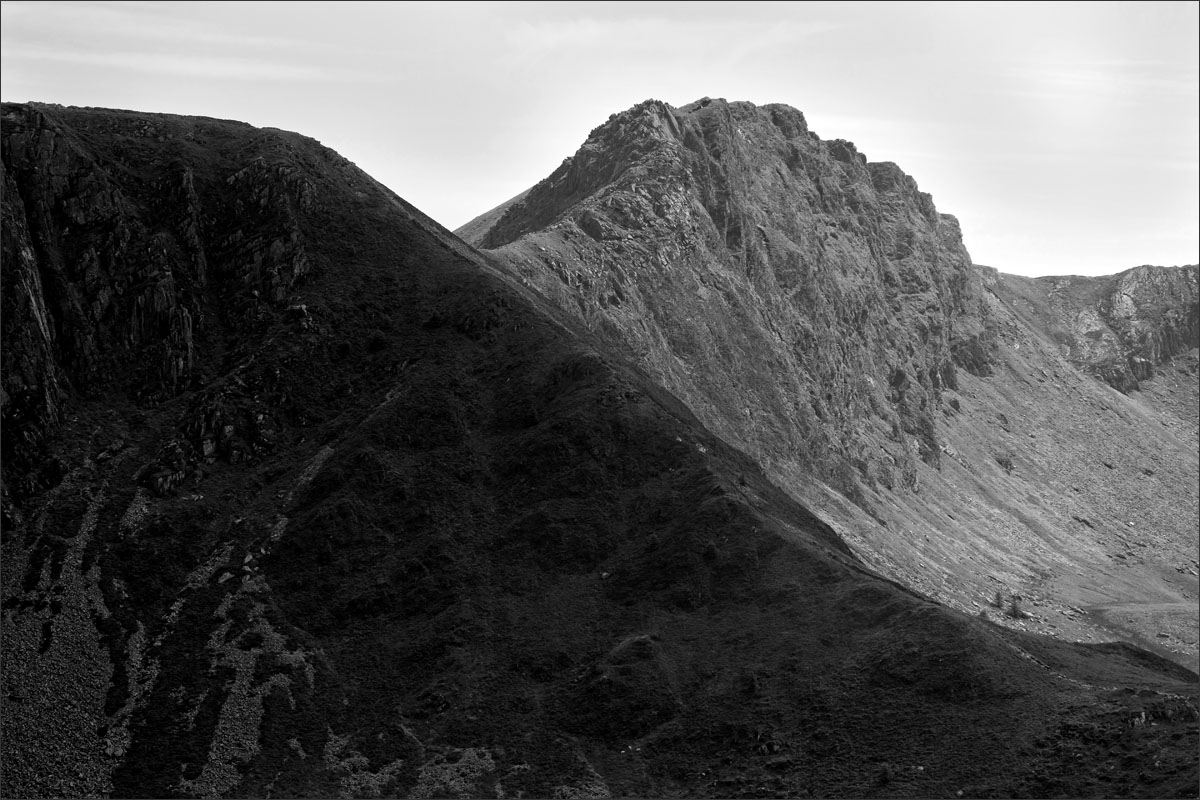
814 309
304 498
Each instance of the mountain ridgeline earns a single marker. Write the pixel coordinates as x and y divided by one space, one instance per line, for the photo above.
724 243
304 495
815 309
730 248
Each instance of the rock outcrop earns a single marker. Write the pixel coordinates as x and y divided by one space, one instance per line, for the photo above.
1122 328
807 304
120 279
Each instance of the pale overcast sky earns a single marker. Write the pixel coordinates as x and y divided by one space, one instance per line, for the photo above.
1064 136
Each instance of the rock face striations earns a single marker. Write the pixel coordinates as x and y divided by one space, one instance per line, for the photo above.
1122 328
117 273
816 310
806 303
303 496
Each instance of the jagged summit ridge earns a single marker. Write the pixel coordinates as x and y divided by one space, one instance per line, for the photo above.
860 294
631 139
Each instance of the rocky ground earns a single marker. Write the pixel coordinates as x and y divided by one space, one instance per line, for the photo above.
304 497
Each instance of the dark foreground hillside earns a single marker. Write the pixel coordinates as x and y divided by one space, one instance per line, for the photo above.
302 499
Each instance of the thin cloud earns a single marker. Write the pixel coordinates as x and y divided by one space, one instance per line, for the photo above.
157 24
656 32
1060 159
1100 78
184 64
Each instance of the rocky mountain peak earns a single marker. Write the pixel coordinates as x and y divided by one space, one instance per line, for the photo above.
636 139
730 235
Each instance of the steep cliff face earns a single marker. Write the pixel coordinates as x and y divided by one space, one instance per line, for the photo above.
384 522
120 279
809 305
816 310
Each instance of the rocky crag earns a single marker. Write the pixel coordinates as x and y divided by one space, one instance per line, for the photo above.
815 309
730 248
1124 327
305 497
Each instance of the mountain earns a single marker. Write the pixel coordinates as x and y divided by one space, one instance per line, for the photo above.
303 496
968 433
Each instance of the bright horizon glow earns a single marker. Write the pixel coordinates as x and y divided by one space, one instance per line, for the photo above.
1064 136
